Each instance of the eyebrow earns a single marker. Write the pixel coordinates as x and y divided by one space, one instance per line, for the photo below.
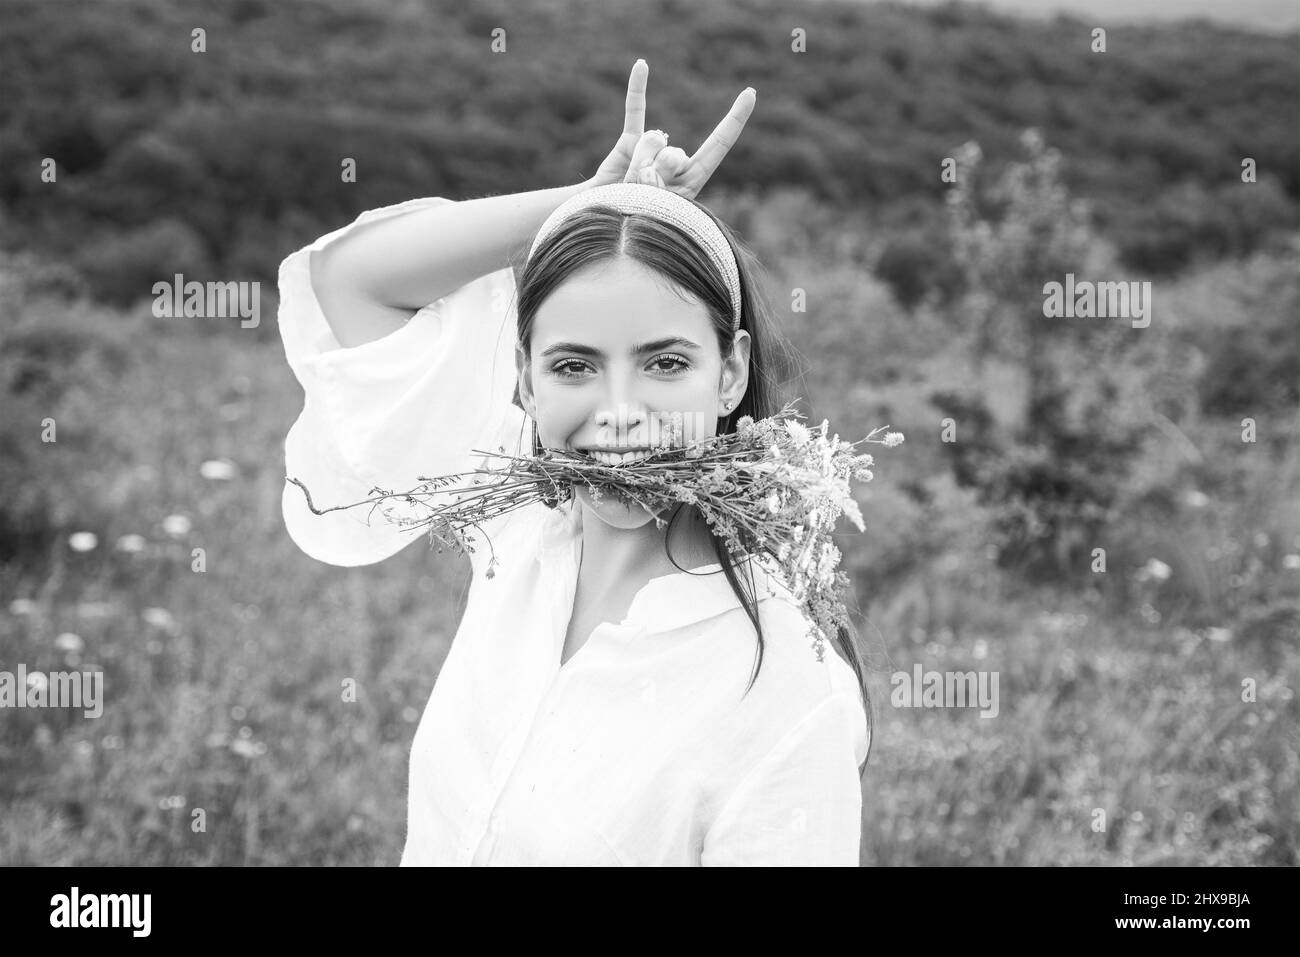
583 350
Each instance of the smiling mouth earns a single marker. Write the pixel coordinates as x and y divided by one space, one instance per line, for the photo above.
610 456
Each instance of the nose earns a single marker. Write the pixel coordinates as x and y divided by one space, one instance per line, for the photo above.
621 418
622 399
621 414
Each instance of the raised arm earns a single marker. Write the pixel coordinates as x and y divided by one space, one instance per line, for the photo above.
370 281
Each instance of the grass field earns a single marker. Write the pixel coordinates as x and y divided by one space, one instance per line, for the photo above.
223 687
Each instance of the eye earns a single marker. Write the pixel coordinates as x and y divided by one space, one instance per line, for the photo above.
572 368
666 357
564 369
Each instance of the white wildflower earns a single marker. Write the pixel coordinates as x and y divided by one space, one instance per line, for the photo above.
131 544
855 515
247 749
83 541
176 525
159 618
798 432
220 470
1156 569
68 642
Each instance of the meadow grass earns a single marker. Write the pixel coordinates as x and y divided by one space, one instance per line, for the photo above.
224 688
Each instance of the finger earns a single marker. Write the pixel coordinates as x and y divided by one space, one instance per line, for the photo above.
651 142
670 163
634 106
649 176
724 136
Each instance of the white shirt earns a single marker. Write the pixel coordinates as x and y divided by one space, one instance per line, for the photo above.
640 750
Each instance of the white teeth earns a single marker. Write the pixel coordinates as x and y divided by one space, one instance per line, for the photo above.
609 458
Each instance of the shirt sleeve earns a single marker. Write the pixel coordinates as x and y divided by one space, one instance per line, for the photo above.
380 415
801 804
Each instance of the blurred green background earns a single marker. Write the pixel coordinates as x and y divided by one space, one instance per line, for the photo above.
1120 691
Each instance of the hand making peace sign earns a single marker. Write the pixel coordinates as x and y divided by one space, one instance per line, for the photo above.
645 157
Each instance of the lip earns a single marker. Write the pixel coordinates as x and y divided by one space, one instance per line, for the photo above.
614 449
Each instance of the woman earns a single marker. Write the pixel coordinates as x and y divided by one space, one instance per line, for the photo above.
594 707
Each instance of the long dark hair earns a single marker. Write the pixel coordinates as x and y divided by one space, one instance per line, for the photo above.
599 234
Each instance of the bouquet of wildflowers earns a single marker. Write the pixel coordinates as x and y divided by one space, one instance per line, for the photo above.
773 490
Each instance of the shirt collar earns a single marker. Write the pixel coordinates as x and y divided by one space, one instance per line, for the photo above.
684 598
668 601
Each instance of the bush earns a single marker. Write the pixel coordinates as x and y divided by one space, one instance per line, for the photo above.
1254 356
123 266
1188 223
1054 478
48 347
916 264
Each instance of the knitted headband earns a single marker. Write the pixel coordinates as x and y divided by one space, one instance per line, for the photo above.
661 204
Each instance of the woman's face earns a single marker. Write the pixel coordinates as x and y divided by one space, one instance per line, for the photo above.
614 349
